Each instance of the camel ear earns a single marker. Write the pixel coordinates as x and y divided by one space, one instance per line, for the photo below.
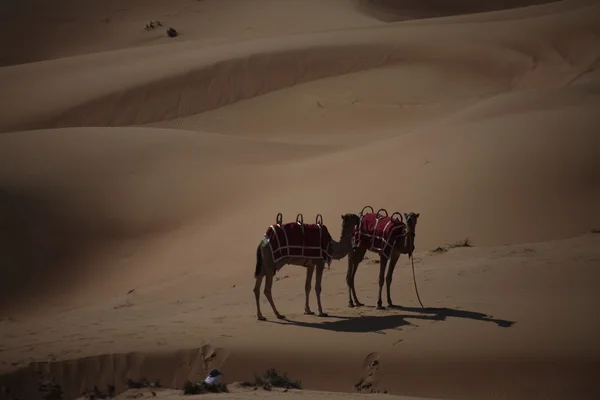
342 216
417 215
405 215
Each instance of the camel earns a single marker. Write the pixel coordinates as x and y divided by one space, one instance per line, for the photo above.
267 267
357 255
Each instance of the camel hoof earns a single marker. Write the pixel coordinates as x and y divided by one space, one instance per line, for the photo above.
281 317
351 305
359 304
322 314
309 313
390 305
261 318
380 307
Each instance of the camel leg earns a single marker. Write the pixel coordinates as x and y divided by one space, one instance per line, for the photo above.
309 274
268 286
388 280
349 275
320 269
358 303
359 257
382 265
257 296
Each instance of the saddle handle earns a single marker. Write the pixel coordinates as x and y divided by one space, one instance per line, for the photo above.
279 219
319 219
400 219
300 219
382 209
362 212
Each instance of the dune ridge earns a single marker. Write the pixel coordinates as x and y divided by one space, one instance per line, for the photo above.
174 86
393 11
170 370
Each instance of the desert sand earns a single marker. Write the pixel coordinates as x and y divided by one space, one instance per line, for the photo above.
138 173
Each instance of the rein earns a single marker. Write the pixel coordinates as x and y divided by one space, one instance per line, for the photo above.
412 261
415 281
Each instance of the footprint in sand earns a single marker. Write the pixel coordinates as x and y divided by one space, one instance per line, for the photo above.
370 368
213 358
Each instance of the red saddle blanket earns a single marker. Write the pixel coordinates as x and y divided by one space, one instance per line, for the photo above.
297 240
378 234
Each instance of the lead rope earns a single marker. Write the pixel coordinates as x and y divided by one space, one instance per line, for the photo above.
412 261
415 281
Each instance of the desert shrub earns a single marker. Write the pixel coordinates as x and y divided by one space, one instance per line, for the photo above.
272 377
203 388
142 383
461 243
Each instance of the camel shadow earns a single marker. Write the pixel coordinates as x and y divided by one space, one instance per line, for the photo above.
443 313
360 324
379 323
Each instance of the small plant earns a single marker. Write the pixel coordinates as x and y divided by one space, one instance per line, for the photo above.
142 383
272 378
49 389
439 250
96 393
461 243
367 387
244 384
190 388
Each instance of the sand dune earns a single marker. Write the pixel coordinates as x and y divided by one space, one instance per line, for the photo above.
131 186
129 91
138 173
504 319
74 27
394 10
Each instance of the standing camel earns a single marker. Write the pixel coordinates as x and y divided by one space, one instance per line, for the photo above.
387 237
271 257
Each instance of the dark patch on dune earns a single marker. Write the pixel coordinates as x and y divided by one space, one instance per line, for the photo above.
44 244
401 10
36 245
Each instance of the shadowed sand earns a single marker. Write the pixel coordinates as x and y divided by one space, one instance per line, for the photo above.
138 173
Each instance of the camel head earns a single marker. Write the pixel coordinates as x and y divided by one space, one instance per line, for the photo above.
411 221
349 222
411 225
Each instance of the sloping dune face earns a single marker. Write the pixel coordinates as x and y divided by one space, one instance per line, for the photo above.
74 27
400 10
548 50
88 201
138 173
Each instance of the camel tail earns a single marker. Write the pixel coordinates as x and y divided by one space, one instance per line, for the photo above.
259 262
